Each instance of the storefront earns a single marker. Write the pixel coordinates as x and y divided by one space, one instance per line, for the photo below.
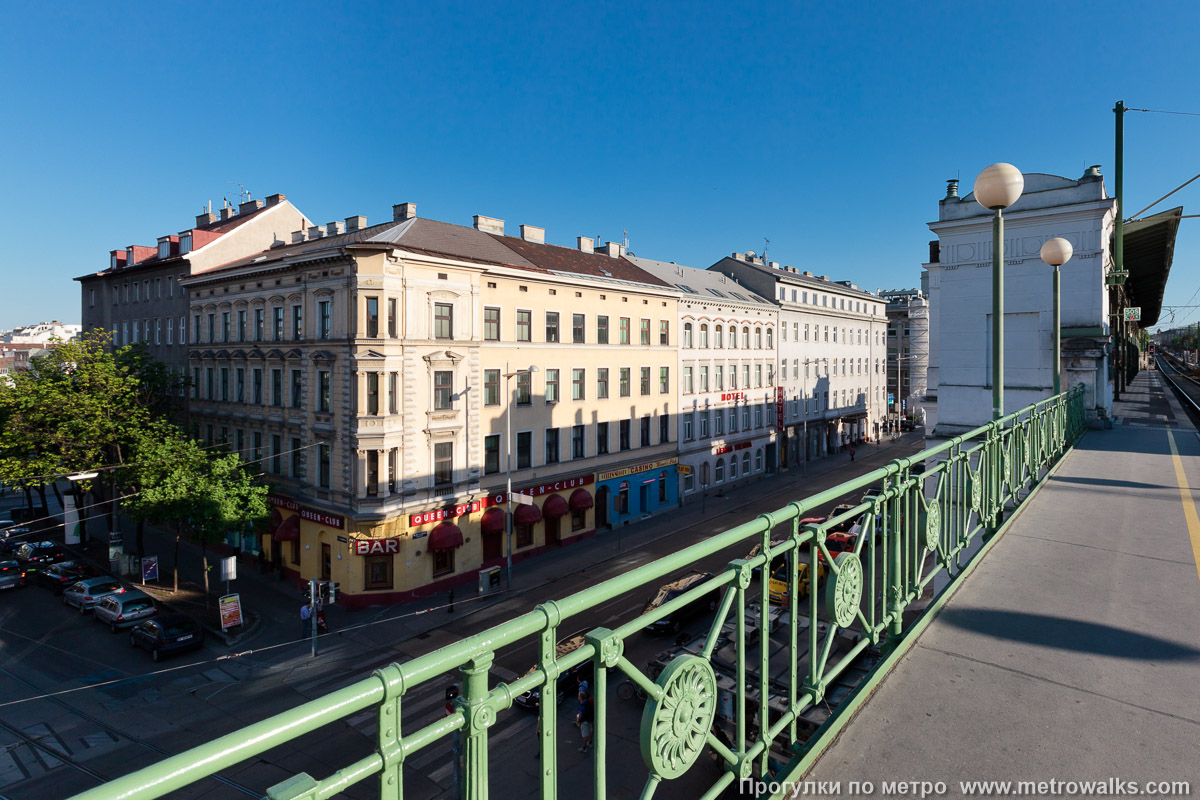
628 493
304 542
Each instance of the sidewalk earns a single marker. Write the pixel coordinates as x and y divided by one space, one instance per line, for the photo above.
1072 651
552 574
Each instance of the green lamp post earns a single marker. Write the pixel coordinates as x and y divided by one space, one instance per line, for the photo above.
997 188
1056 252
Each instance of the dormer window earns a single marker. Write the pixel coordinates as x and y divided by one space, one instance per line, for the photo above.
185 243
164 247
129 257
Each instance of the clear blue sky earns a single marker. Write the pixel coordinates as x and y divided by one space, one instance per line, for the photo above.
701 127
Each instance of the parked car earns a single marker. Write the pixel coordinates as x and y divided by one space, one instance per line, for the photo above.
845 524
86 593
842 542
170 633
778 590
57 577
907 425
673 623
13 535
567 679
12 575
124 610
39 555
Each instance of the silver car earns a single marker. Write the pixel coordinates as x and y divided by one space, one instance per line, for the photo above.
85 594
125 610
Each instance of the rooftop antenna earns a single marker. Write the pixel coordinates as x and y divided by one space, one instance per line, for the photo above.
625 240
766 245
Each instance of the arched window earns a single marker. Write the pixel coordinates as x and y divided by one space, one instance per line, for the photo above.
704 334
687 334
733 336
719 337
758 338
720 470
746 463
770 338
758 460
746 338
733 468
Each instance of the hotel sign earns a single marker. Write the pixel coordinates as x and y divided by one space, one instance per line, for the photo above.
647 467
735 396
729 448
779 408
310 514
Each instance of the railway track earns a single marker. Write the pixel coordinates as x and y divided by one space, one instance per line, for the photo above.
1186 387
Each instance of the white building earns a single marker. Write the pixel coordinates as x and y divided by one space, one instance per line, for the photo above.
908 350
727 391
832 349
41 333
960 292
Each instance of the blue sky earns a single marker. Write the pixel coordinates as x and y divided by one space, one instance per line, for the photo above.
828 128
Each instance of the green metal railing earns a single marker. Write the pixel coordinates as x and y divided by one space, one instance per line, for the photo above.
930 517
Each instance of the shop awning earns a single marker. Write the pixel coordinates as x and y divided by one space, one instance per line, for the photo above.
446 536
555 506
527 515
581 500
288 530
492 521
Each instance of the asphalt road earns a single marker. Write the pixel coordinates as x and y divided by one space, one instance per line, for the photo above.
99 726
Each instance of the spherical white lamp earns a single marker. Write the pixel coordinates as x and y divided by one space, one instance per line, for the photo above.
1057 251
999 186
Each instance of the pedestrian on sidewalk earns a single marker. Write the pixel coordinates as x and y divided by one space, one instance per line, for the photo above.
584 719
305 621
851 452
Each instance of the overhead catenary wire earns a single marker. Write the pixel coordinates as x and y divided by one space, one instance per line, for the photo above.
1158 111
1134 216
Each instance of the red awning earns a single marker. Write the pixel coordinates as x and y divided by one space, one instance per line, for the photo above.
492 521
288 530
446 536
581 500
527 515
555 506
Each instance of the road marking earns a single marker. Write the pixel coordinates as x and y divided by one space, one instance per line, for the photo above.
1189 507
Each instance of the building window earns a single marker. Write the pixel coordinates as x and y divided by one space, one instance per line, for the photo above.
524 388
602 383
225 384
276 454
377 572
277 318
664 428
256 376
601 438
624 330
687 334
688 386
491 454
577 441
624 381
704 424
703 335
664 332
297 322
689 420
719 377
241 325
644 383
373 393
645 432
491 324
372 473
324 326
578 378
758 376
443 321
277 387
664 380
256 455
719 472
718 423
524 326
578 326
393 392
323 391
551 386
443 390
704 378
770 338
443 463
551 445
758 460
258 324
578 519
719 336
644 332
624 434
212 328
601 330
524 535
524 449
391 317
491 387
552 326
746 463
745 338
224 326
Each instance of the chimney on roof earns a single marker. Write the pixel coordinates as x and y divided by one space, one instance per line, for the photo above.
275 199
531 233
585 244
489 224
403 211
774 265
824 277
316 232
227 212
614 249
297 237
335 228
356 223
207 218
250 206
806 272
951 189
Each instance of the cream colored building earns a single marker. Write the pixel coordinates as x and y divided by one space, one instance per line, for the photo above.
365 367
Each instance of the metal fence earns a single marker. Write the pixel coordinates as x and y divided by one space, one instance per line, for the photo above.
763 702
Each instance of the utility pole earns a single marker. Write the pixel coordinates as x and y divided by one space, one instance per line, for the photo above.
312 618
1119 247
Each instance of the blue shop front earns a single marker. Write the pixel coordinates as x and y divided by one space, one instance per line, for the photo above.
625 494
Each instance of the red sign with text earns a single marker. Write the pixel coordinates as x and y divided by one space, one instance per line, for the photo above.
310 514
779 408
450 512
733 396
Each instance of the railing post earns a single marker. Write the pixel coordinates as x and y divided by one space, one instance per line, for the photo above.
893 533
391 748
479 717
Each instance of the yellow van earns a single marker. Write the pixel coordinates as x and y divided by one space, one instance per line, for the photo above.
777 591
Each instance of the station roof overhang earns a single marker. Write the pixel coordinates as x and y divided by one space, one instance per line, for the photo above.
1149 250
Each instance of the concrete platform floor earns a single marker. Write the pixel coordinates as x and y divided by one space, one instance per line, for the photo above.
1073 651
